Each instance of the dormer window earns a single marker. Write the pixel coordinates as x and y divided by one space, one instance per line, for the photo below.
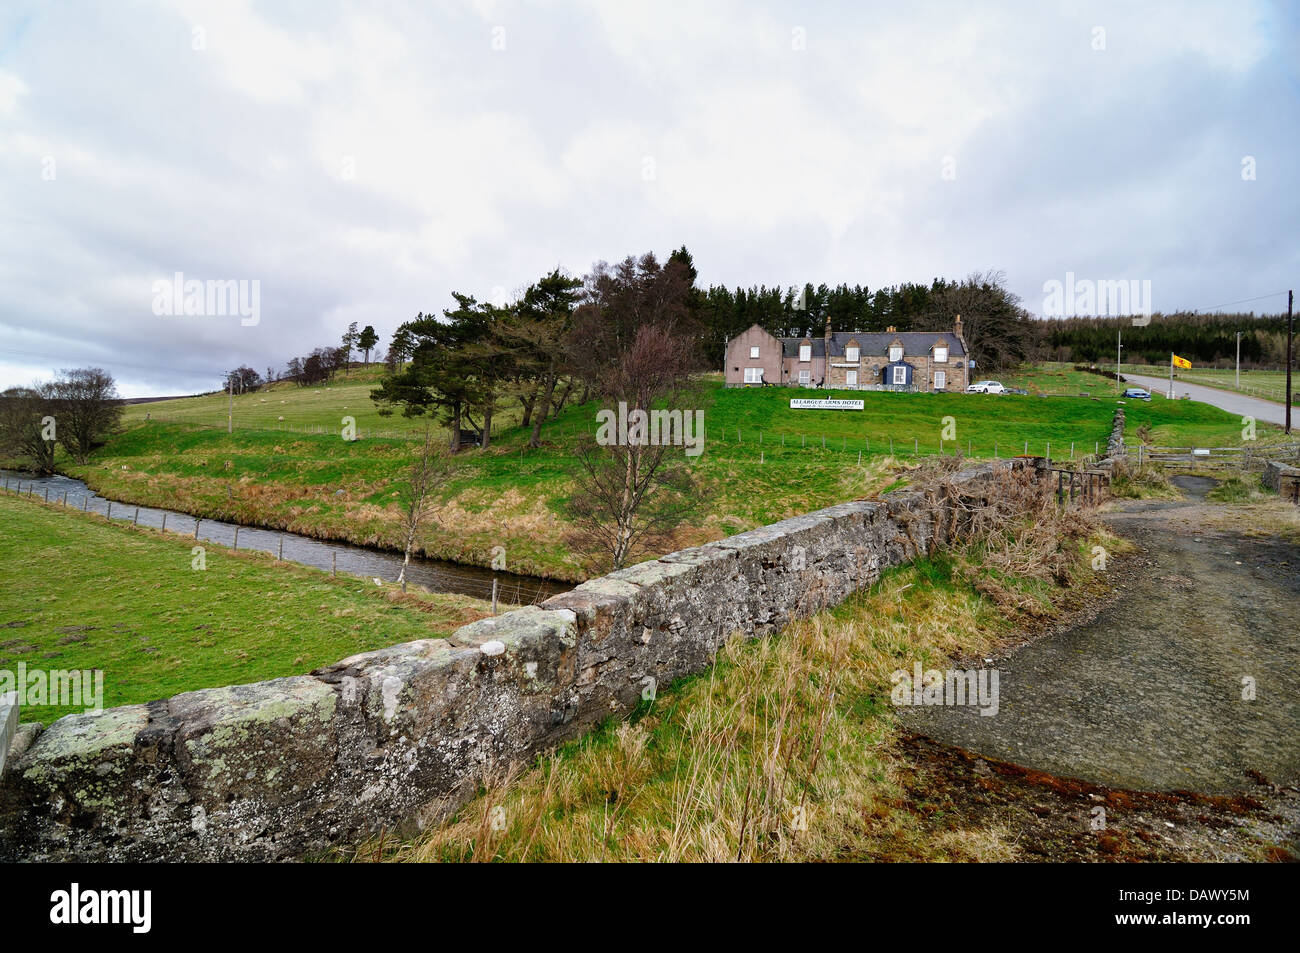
851 353
895 353
941 354
805 352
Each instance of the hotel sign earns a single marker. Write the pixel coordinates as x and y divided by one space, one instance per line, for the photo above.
803 403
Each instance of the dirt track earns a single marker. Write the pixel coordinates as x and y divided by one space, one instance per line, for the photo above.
1145 695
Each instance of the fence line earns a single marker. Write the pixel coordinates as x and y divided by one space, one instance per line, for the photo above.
441 580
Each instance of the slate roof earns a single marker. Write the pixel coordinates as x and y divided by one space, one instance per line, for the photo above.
876 343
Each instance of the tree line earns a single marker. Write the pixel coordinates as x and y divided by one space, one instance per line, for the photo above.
77 410
999 332
1206 339
317 367
627 334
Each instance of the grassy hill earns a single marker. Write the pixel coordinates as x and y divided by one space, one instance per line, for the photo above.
762 461
287 407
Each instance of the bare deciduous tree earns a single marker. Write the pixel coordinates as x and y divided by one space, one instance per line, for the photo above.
87 409
427 473
630 493
25 413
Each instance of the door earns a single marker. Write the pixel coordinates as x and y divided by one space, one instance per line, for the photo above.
851 379
940 379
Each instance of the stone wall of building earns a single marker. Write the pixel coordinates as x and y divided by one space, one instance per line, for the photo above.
398 738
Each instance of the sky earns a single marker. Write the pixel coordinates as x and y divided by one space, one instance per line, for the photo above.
343 162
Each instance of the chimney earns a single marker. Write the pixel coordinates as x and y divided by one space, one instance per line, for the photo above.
828 338
891 329
957 329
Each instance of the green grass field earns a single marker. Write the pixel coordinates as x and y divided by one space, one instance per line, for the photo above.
81 593
762 462
1270 385
286 407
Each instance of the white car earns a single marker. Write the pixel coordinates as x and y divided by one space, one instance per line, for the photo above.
986 387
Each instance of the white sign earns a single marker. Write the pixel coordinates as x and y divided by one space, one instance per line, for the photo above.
801 403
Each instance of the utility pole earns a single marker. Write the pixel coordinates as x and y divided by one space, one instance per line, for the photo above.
230 408
1290 333
1238 360
1119 350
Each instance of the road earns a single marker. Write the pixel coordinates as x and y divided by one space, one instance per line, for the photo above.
1158 691
1263 410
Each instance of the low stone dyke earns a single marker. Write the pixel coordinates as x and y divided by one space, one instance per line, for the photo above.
399 738
1282 478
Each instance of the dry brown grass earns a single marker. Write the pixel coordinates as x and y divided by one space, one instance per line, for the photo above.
783 751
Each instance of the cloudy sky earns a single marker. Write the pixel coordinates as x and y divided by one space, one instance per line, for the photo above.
360 161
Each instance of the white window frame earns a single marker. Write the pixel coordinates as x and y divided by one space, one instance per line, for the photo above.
851 354
850 378
941 354
940 380
900 375
805 353
753 351
895 353
805 377
753 375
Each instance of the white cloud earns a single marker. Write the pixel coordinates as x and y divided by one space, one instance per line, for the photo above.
472 169
12 89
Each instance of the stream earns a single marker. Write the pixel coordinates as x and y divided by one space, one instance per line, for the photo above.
433 574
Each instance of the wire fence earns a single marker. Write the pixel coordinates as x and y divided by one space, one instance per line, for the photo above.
504 588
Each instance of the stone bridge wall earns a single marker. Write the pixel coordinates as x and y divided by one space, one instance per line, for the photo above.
401 737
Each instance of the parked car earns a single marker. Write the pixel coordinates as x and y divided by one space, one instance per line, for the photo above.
1137 393
986 387
1017 390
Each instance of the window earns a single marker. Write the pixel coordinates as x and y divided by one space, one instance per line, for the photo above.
941 354
805 352
895 353
753 351
753 375
805 377
900 375
851 379
851 354
940 380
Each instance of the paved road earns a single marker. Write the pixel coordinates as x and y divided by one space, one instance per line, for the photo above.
1263 410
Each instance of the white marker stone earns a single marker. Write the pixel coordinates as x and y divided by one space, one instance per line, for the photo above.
494 647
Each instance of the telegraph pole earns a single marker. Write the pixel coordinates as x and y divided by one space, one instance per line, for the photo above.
1238 360
1119 350
230 408
1290 333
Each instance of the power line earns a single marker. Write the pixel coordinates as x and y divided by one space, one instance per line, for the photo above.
1273 294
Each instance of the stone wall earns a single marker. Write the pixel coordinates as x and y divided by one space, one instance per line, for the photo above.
400 737
1282 478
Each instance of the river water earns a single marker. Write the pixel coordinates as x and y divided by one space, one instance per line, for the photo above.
435 575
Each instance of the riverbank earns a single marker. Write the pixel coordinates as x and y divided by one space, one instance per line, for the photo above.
366 563
763 461
158 617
